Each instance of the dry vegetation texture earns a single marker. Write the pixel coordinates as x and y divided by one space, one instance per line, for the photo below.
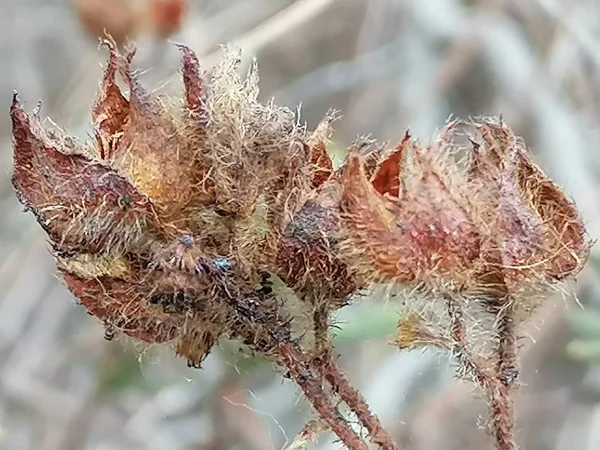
201 212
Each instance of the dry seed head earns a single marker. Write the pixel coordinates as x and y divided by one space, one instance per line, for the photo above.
494 228
173 205
177 208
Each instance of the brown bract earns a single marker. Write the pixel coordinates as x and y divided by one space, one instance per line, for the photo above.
309 257
79 201
423 235
536 235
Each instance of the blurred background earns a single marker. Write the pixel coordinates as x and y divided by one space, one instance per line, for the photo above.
386 65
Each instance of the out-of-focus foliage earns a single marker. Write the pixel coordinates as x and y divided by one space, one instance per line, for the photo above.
586 325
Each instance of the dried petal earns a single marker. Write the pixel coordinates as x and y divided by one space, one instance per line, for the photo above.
322 164
387 177
111 110
414 332
408 336
197 343
80 203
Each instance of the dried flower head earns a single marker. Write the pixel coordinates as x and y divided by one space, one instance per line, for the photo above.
479 230
494 225
147 221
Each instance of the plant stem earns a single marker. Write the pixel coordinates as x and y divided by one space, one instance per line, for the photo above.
314 392
256 312
356 403
496 384
467 363
503 414
325 362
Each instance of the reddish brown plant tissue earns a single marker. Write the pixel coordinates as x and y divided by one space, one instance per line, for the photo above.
494 226
168 224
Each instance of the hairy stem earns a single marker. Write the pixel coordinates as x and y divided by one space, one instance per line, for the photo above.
503 414
495 384
325 362
313 389
255 311
260 309
468 364
356 403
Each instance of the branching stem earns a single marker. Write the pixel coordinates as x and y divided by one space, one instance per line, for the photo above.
308 372
254 312
313 389
496 384
356 403
326 364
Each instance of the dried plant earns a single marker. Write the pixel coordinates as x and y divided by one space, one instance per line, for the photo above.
170 225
